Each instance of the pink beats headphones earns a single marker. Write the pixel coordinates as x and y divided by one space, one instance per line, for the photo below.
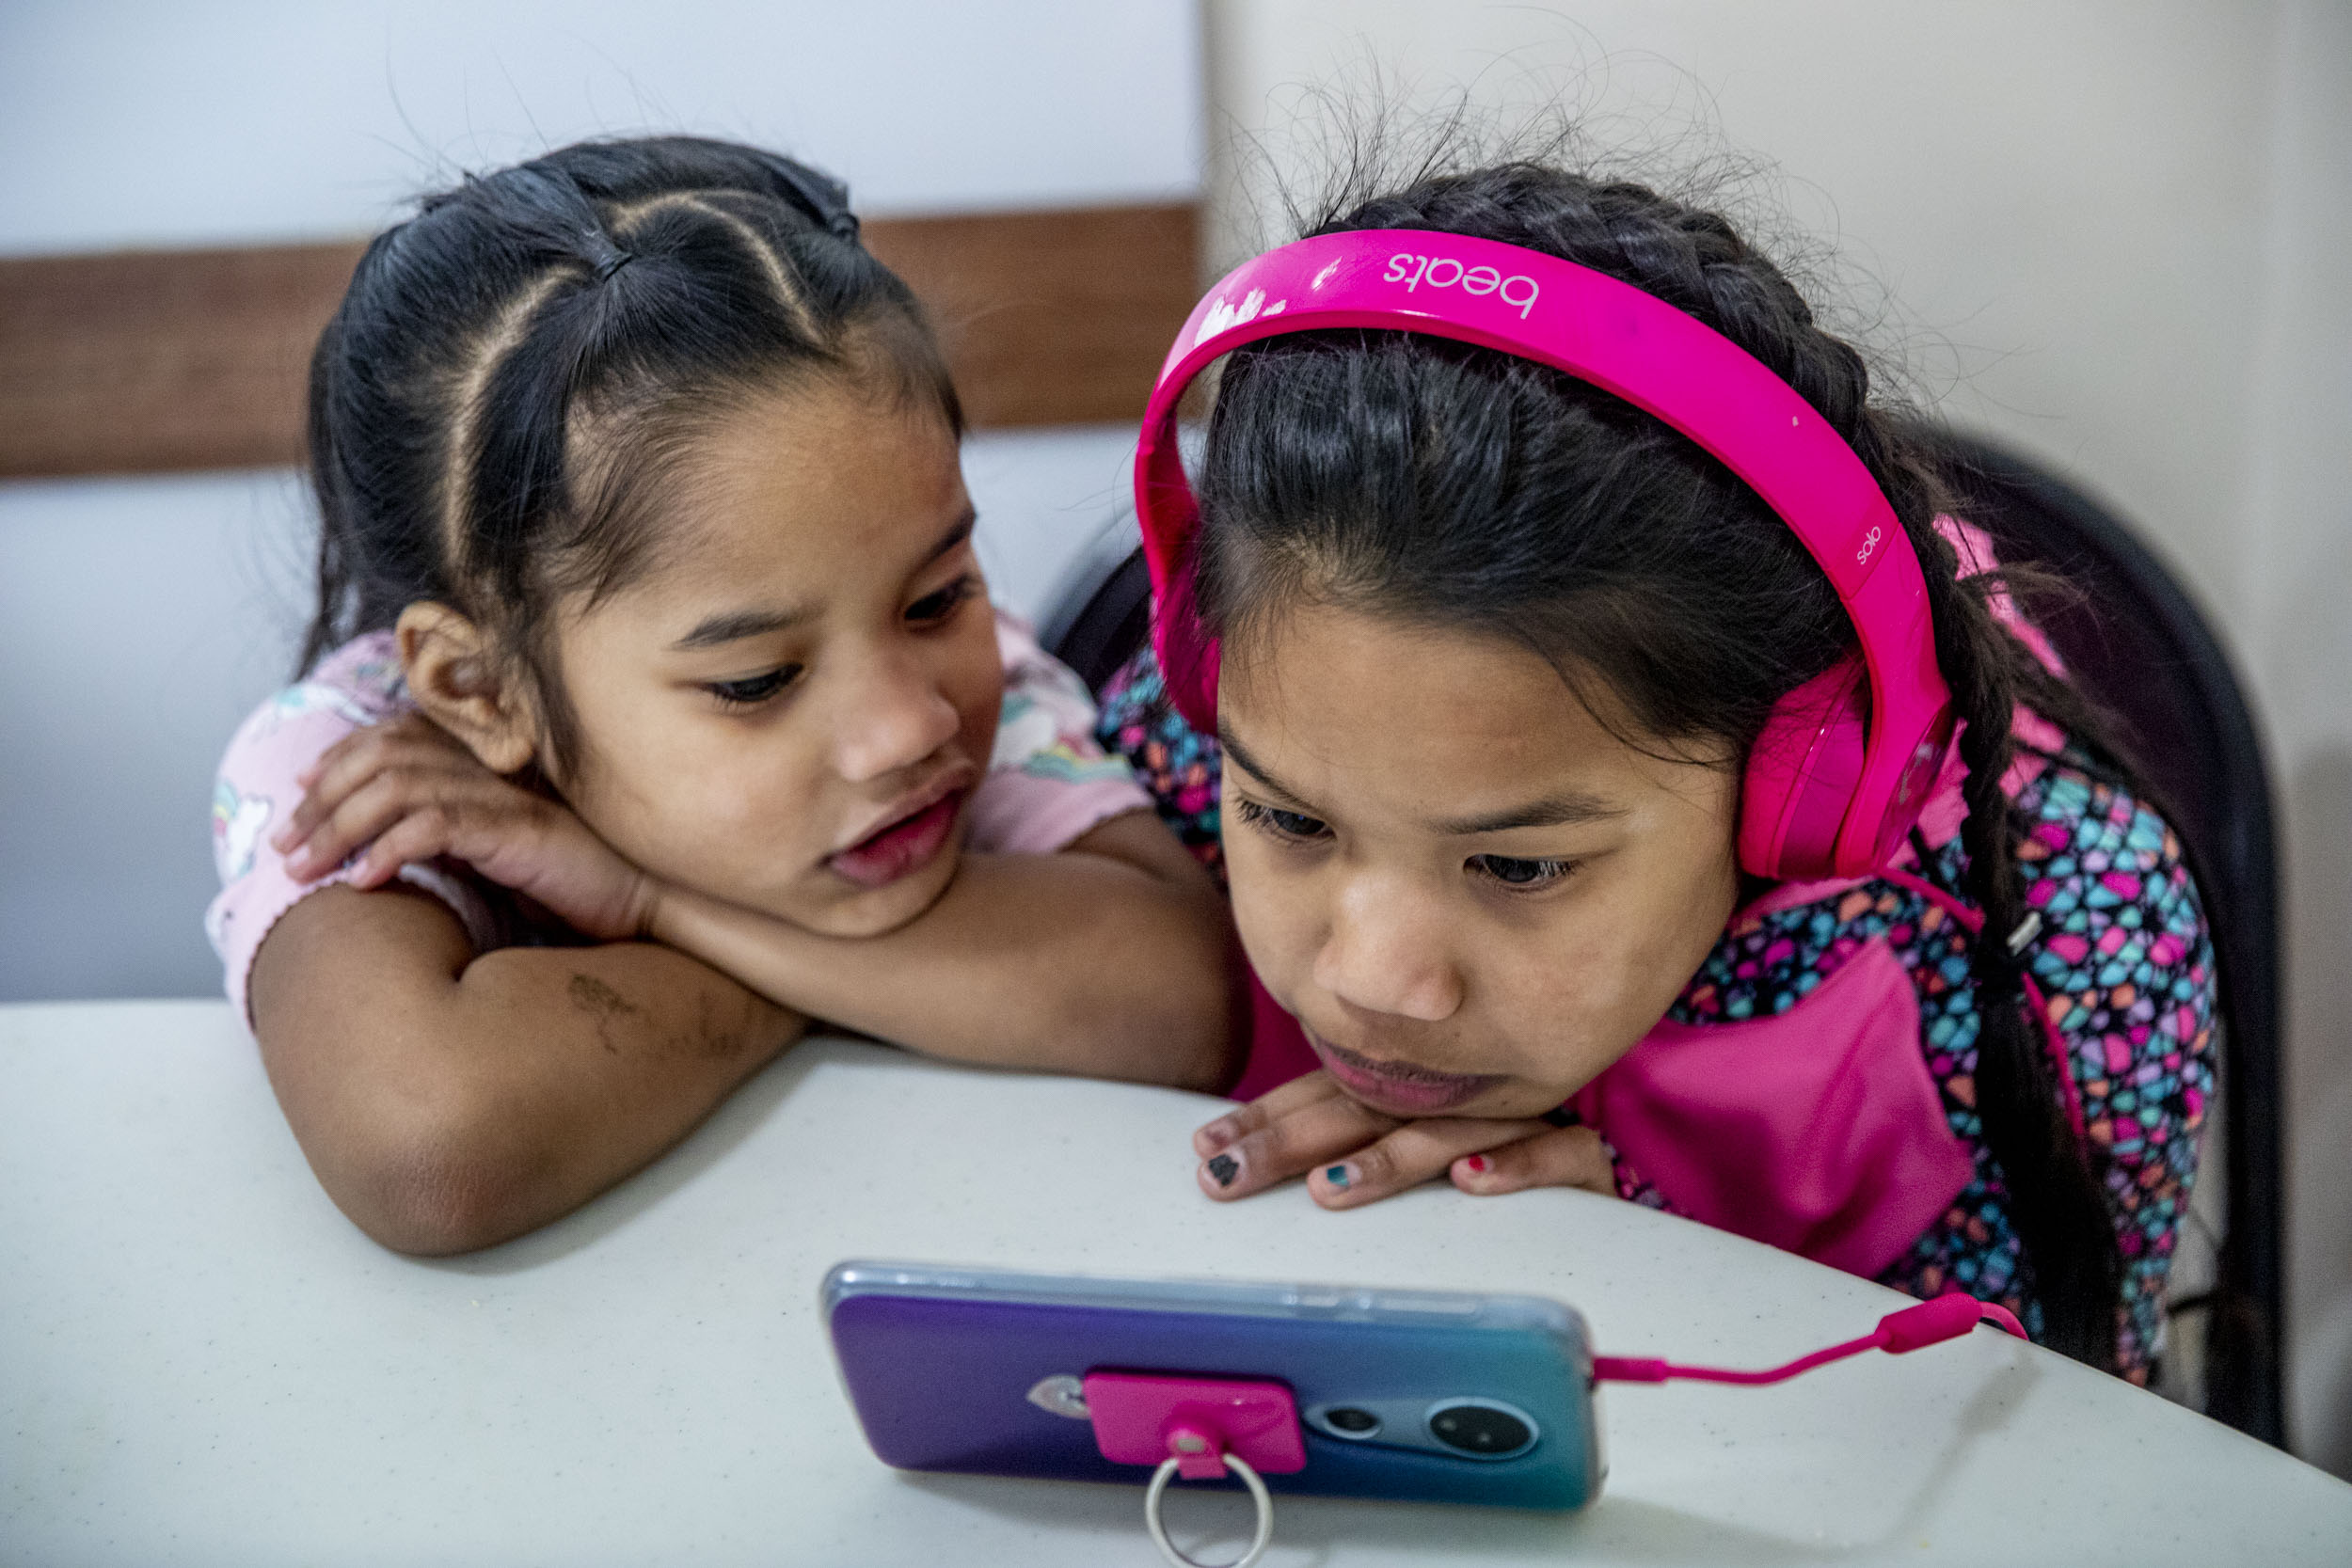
1840 772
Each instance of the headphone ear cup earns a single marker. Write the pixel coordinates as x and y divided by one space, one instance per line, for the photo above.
1801 773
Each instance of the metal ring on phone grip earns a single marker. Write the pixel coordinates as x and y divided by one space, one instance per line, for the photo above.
1159 1533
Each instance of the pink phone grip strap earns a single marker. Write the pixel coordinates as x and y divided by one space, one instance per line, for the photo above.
1930 1323
1198 1422
1199 1428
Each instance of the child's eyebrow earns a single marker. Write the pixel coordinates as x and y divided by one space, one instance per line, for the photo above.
1553 811
958 531
1231 744
735 625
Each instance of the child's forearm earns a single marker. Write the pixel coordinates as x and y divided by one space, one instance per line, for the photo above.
449 1100
1073 962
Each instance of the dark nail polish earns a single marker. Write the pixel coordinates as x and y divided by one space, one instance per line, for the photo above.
1225 1167
1336 1175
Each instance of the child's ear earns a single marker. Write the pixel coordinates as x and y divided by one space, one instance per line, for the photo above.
456 678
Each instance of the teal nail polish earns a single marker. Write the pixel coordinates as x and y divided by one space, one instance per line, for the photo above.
1338 1176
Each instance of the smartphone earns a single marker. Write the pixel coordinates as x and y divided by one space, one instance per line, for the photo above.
1424 1395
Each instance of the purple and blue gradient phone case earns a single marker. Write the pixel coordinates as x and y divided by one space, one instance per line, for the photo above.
1432 1396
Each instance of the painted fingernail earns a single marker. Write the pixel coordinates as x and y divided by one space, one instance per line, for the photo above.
1224 1168
1476 1163
1341 1177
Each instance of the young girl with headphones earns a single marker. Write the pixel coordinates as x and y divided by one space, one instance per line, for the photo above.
654 706
1631 782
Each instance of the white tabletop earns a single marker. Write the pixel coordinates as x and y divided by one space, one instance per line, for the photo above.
202 1362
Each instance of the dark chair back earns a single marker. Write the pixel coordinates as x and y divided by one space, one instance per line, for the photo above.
2136 643
2138 647
1110 623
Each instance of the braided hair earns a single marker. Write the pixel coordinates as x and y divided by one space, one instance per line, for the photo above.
515 371
1453 487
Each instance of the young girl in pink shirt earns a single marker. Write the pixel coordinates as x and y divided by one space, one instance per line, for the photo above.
1551 600
655 708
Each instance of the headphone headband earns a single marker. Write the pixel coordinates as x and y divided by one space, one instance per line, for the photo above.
1630 344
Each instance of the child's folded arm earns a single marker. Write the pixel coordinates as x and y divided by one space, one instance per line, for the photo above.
449 1100
1111 958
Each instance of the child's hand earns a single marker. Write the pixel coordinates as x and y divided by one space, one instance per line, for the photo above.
1357 1156
409 791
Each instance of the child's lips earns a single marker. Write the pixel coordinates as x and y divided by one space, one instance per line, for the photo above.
1400 1088
904 844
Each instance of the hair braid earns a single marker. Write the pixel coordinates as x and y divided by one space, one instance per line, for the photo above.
2054 1193
1697 262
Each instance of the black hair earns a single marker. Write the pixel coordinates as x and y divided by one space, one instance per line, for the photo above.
515 371
1448 485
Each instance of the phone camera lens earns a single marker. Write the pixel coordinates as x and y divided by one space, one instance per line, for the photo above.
1351 1421
1480 1429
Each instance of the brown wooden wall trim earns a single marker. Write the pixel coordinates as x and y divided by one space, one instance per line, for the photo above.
146 361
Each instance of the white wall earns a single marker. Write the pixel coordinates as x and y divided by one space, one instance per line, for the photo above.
2116 233
2295 523
140 618
134 122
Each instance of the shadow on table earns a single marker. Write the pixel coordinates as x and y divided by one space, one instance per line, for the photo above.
1309 1533
736 1119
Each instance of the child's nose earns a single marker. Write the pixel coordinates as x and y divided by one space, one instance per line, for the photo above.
898 717
1387 952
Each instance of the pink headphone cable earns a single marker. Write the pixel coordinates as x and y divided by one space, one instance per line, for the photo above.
1930 1323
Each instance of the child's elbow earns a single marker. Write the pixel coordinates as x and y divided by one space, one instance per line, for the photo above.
439 1181
439 1209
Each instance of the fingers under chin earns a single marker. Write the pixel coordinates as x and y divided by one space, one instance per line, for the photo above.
1412 1153
1566 1157
1226 1130
1289 1144
1483 1175
1269 1108
1217 1175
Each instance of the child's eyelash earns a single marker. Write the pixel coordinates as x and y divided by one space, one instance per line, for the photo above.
939 606
1520 874
752 690
1290 827
1517 874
